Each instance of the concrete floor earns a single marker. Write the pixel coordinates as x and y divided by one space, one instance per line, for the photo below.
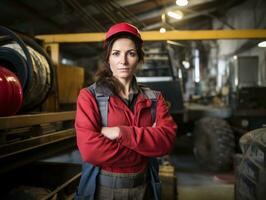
197 184
221 192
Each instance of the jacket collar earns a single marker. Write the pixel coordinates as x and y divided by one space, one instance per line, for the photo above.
105 91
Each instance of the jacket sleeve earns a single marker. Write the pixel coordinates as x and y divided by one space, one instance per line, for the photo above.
93 146
151 141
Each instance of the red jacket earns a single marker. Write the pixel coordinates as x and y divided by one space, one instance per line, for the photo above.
137 141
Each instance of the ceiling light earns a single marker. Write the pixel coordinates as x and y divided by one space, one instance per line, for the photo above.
181 2
186 64
177 14
163 18
262 44
162 30
196 63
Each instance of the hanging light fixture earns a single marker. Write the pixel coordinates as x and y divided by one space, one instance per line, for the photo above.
175 14
162 29
182 2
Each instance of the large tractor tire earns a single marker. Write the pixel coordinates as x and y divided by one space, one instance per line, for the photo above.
251 173
214 144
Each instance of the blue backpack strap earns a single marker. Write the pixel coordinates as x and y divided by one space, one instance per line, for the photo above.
87 184
102 100
153 169
153 178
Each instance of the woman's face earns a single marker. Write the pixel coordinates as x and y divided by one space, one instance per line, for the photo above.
123 58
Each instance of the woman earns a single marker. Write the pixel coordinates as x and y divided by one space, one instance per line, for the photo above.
122 149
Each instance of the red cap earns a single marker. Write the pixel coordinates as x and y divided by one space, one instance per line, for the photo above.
122 27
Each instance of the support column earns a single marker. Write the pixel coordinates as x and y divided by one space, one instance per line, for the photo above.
52 102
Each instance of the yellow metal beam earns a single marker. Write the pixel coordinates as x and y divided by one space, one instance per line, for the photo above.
157 36
72 38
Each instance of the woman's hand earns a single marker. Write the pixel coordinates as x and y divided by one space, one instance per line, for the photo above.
111 133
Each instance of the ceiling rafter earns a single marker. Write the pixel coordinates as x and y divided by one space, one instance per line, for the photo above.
36 14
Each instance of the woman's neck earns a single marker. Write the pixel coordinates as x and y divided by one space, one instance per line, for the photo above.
127 85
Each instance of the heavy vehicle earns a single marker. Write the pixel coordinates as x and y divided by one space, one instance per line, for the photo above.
158 73
216 130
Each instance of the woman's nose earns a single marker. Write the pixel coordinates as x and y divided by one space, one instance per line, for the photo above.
123 59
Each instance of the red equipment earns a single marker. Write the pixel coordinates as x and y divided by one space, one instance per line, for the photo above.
11 95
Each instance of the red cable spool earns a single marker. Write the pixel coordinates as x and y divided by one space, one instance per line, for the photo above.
11 95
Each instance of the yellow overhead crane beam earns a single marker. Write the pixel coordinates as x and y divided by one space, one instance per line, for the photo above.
157 36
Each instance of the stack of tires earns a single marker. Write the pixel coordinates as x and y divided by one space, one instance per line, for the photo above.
251 172
25 73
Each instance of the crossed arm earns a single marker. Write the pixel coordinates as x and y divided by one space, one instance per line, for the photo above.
124 144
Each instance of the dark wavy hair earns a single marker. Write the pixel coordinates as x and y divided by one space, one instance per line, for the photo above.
104 76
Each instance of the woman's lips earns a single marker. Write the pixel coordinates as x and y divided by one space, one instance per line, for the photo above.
123 69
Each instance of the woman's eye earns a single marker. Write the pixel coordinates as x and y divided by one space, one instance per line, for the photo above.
115 53
133 54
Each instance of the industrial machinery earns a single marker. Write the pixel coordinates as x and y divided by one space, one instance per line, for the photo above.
216 139
158 74
33 67
216 130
